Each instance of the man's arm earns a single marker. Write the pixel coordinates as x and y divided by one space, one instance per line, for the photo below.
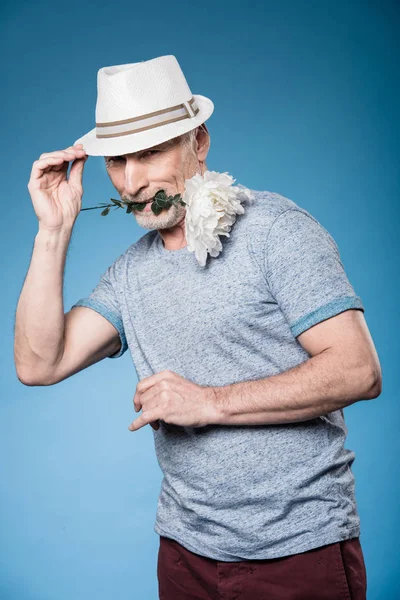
305 276
343 368
48 345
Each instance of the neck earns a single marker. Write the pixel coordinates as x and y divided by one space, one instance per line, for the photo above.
174 237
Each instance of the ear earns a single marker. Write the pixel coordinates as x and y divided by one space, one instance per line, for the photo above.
203 142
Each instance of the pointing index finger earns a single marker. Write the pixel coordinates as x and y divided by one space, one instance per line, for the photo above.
145 419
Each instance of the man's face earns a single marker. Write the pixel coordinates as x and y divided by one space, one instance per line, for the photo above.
139 175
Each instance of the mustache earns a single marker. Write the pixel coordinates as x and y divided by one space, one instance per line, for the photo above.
138 200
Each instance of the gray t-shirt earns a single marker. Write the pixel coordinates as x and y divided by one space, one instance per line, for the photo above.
234 492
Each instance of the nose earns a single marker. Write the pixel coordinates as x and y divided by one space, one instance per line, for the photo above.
136 177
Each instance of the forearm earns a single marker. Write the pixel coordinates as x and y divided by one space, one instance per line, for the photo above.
323 383
39 323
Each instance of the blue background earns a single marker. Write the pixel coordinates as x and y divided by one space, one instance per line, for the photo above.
306 104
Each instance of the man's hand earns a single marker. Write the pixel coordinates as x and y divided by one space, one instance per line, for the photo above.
174 399
56 198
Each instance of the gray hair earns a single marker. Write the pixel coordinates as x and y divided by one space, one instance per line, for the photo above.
187 139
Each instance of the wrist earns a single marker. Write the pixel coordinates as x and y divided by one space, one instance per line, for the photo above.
219 401
54 232
55 240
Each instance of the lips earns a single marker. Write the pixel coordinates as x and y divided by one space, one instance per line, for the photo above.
147 202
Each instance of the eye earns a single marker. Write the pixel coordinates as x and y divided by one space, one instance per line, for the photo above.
113 159
150 152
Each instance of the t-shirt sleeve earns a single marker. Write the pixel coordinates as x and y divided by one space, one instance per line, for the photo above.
304 271
103 299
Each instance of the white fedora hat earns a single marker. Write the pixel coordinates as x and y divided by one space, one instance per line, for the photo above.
140 105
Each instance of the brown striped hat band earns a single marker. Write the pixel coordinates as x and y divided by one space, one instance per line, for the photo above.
185 110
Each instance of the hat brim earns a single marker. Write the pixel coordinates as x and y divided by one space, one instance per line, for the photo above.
134 142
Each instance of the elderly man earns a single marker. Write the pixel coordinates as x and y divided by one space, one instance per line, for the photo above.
244 364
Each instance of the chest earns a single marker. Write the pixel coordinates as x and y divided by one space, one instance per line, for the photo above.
178 306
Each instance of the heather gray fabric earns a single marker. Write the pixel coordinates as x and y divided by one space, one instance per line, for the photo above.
240 492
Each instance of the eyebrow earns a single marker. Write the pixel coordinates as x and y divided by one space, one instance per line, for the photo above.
161 146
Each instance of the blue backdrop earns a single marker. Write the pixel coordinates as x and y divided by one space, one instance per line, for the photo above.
306 104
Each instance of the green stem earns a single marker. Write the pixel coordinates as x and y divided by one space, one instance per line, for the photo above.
92 207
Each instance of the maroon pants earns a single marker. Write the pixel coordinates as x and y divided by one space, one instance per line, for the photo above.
332 572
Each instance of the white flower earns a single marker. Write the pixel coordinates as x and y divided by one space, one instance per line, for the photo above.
212 204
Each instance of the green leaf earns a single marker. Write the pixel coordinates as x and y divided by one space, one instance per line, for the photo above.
129 208
155 208
117 202
105 211
160 194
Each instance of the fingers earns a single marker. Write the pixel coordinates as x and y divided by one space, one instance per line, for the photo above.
55 158
71 150
150 417
75 174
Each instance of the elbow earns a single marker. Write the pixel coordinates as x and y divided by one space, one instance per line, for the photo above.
27 380
372 382
376 387
32 379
